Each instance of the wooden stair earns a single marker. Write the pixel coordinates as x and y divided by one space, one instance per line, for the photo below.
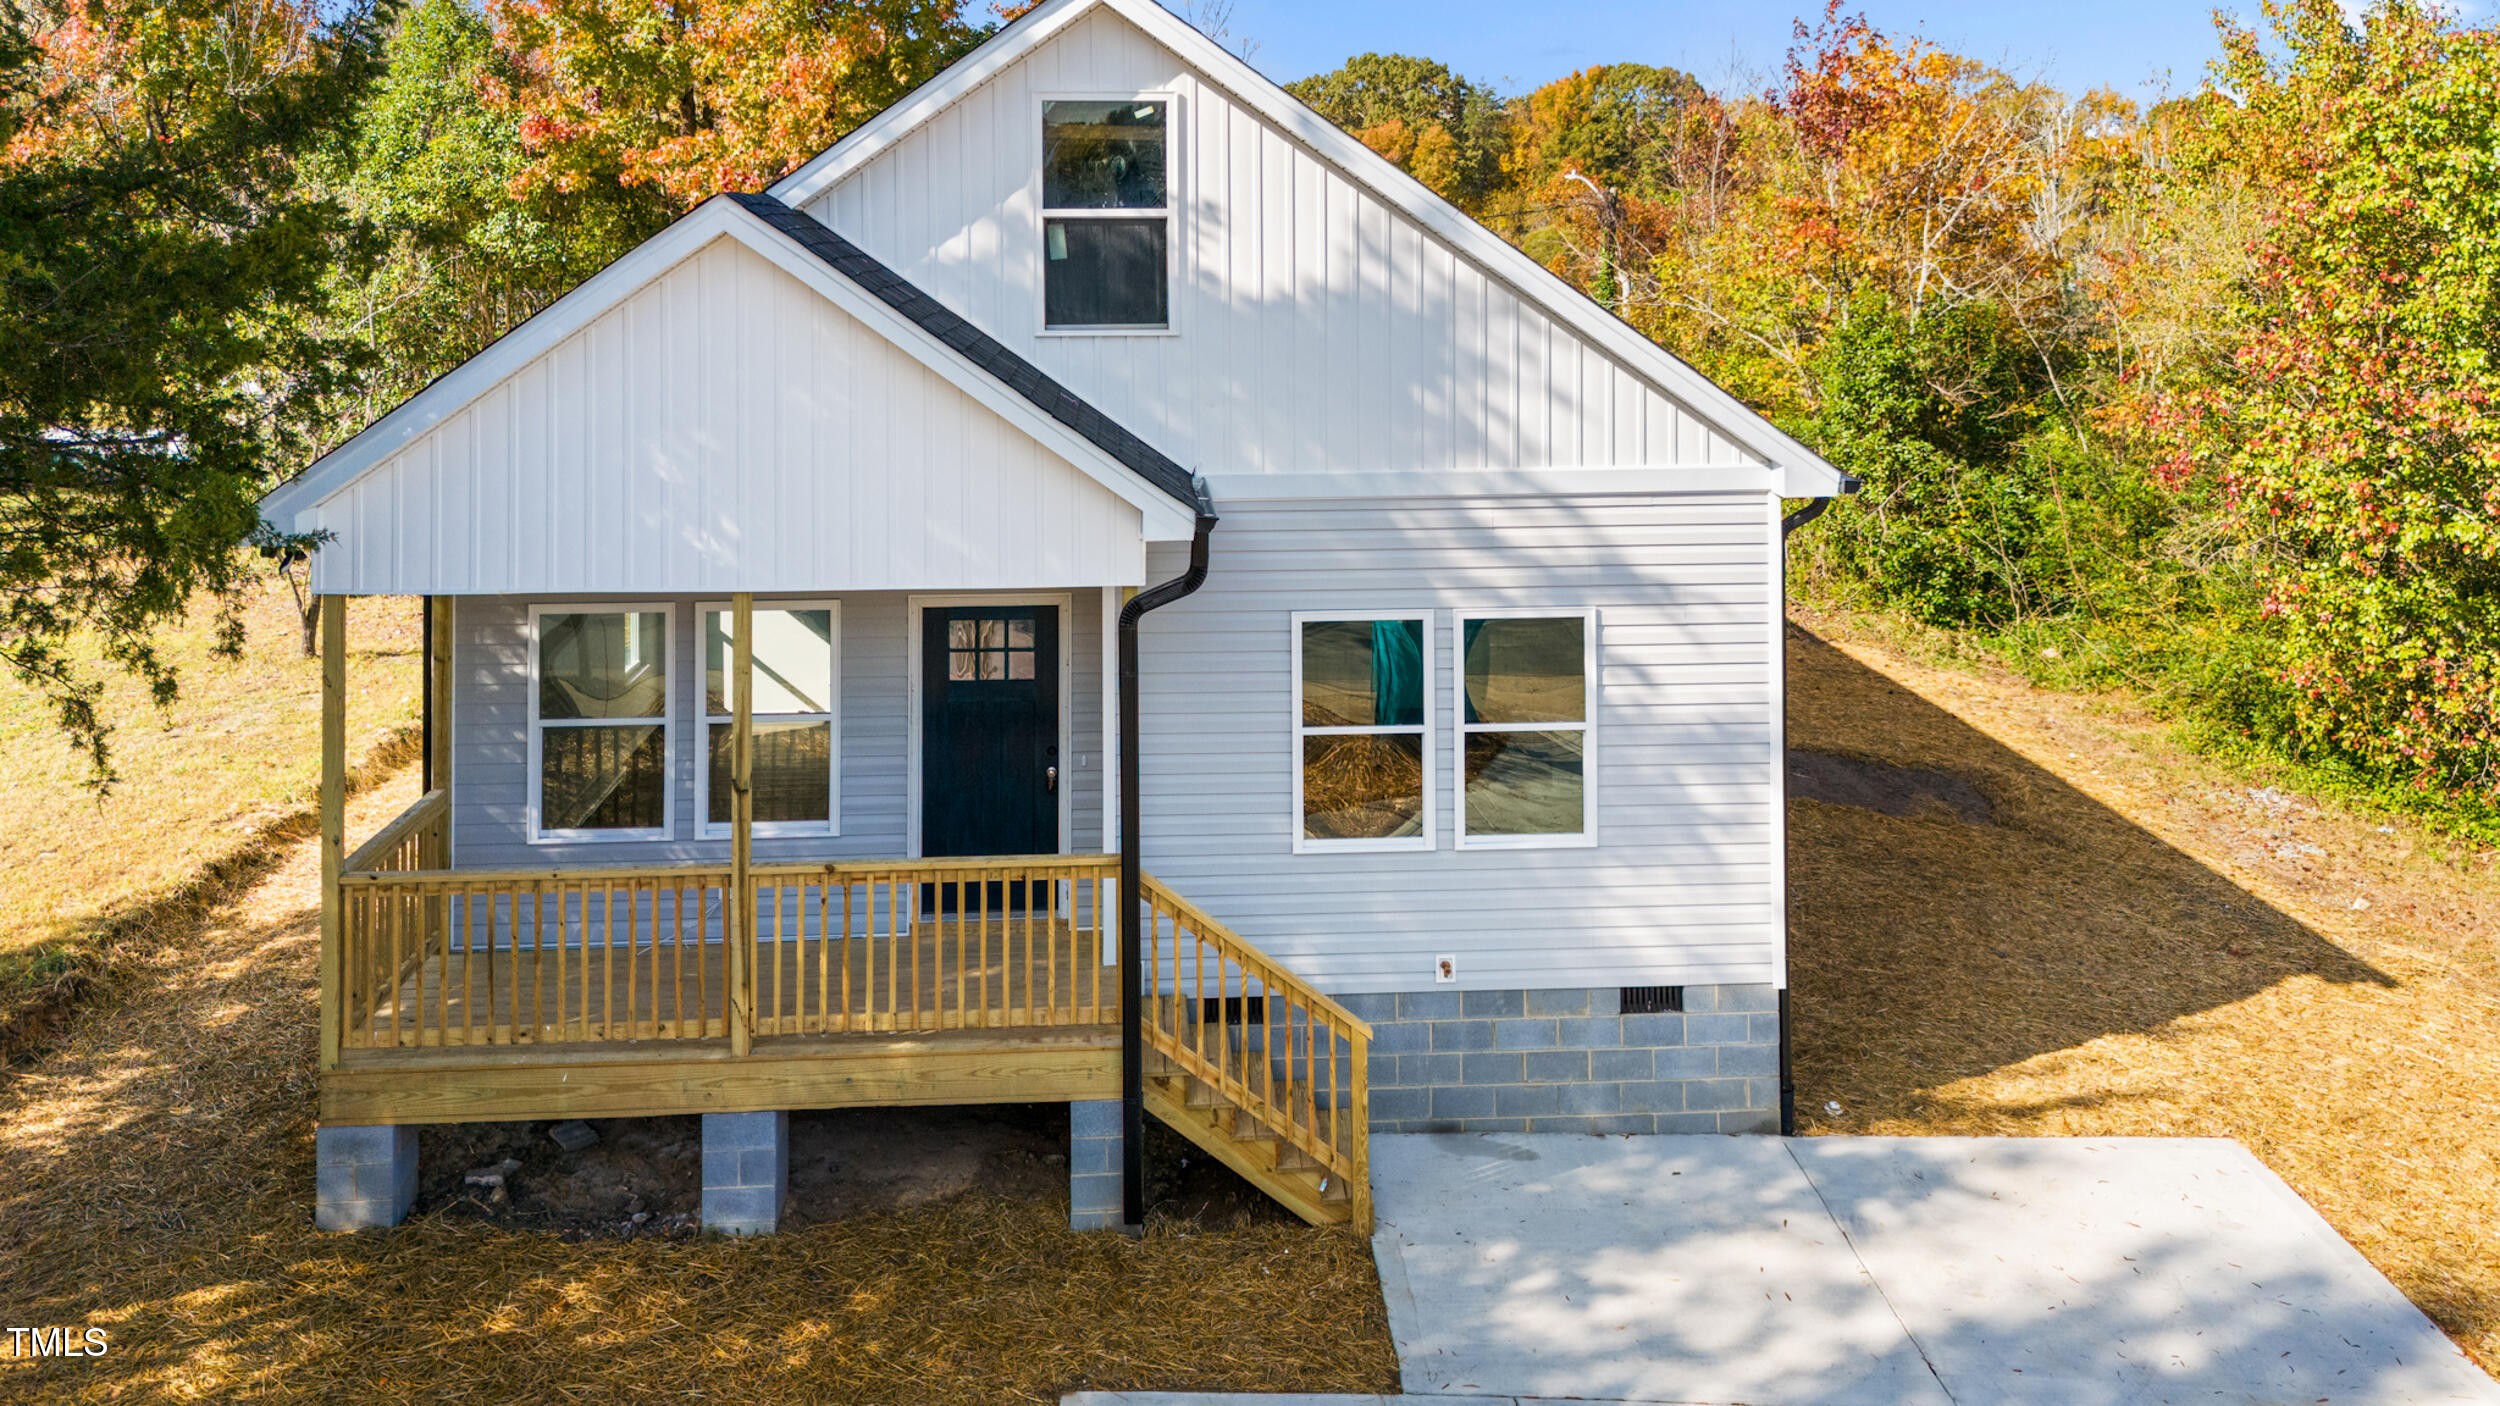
1255 1065
1261 1155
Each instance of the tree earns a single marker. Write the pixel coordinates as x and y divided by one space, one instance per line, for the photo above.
161 288
694 98
1436 126
2352 436
433 168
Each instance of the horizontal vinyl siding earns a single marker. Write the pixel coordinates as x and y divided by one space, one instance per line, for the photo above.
1683 886
724 428
490 738
1319 329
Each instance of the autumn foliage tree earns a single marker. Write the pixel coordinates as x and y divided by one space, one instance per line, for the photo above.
703 96
2356 436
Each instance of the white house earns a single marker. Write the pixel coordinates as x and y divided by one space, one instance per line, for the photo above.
781 750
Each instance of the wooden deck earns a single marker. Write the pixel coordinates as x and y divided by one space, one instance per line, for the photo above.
951 973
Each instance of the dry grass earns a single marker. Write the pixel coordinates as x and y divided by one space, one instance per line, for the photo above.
155 1181
2146 944
235 752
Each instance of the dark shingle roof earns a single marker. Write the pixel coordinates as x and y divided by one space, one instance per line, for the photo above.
977 346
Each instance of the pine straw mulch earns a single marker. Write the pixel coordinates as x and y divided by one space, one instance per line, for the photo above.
2141 943
156 1181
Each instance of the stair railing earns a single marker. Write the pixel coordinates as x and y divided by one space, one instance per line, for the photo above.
1275 1048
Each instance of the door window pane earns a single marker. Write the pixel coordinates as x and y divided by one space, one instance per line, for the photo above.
1362 673
603 778
793 661
793 773
610 665
1103 155
1363 786
1105 273
1526 783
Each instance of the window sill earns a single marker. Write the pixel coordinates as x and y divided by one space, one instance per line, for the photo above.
1496 842
1108 332
1406 845
779 831
598 837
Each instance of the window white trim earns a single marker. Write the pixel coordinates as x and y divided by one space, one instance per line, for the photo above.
537 780
1169 214
1586 838
1423 839
704 828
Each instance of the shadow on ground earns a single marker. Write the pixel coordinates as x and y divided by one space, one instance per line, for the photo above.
1927 946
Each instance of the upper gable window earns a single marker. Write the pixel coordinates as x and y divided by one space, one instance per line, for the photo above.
1106 215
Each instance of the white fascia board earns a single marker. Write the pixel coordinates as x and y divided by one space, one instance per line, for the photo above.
1164 520
1801 472
1491 483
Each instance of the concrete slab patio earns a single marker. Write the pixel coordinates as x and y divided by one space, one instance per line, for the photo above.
1896 1270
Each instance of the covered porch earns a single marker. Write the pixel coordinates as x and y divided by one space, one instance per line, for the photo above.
721 983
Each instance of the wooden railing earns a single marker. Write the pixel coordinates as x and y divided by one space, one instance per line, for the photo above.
1229 1016
470 957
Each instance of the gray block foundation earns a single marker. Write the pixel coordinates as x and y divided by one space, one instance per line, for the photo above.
364 1178
1094 1198
746 1171
1569 1061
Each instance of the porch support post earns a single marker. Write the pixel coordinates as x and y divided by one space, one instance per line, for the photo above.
742 821
438 689
333 819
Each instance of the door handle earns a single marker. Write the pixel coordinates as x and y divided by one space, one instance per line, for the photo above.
1052 776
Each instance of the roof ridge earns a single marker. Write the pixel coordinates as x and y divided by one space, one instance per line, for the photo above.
974 345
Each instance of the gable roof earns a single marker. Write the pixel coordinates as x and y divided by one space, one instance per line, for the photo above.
977 346
1800 472
1163 491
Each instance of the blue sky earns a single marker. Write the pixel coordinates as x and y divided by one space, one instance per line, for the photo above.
1516 44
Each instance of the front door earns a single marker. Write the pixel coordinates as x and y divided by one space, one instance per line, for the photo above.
990 768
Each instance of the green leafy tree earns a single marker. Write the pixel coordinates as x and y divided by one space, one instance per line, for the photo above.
2353 438
162 286
437 170
1439 128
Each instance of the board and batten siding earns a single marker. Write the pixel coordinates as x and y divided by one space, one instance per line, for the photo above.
724 428
1315 327
490 782
1683 885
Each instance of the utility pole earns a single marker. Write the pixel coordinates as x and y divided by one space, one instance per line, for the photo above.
1610 244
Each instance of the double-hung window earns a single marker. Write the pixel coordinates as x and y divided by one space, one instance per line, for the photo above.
599 734
1527 691
798 737
1362 734
1106 215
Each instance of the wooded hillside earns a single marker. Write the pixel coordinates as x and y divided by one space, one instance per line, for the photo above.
2194 398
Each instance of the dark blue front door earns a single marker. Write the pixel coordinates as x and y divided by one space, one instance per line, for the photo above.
990 769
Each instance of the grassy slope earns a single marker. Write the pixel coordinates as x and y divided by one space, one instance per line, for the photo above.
2148 942
238 749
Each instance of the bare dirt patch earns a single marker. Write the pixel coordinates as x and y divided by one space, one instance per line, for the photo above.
644 1175
2143 942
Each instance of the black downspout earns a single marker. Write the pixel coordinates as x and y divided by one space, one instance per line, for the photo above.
425 686
1132 885
1788 1053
